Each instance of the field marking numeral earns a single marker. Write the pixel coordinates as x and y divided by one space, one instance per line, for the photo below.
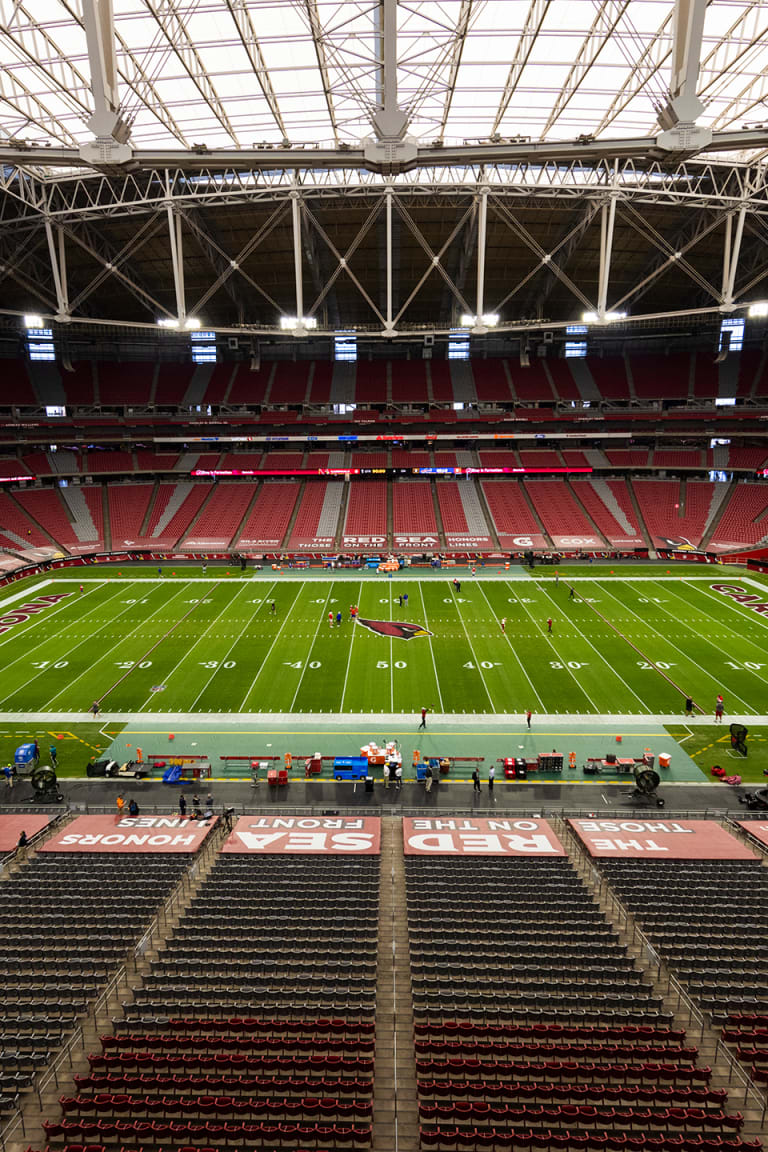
258 600
574 665
650 600
300 664
385 664
747 664
649 667
484 664
49 664
188 601
214 664
133 664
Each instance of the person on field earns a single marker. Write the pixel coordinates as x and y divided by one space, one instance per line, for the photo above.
572 593
475 780
338 619
528 716
94 708
504 625
549 624
423 717
491 777
272 608
428 777
688 706
54 755
120 804
719 709
330 619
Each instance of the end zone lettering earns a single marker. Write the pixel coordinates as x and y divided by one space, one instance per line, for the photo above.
631 826
347 823
742 596
19 615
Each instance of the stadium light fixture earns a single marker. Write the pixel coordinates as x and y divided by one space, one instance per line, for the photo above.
189 322
299 326
33 320
487 320
604 318
759 308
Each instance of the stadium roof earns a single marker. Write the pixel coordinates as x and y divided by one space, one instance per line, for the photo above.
209 116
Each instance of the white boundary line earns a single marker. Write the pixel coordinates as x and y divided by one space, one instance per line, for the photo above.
631 724
29 593
409 574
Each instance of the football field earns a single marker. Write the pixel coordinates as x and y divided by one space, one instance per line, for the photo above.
635 645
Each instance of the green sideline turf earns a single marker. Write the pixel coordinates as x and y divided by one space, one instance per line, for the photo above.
624 646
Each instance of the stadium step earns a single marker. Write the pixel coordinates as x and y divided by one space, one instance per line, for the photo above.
394 1093
711 1053
57 1079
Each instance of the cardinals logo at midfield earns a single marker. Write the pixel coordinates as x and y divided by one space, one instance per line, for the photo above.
395 628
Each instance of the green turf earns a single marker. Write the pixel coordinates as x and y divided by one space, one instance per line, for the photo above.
75 744
634 645
710 744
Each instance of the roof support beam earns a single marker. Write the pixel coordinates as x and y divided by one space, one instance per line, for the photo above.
177 262
58 267
389 326
106 123
482 230
684 105
390 122
297 263
607 222
733 255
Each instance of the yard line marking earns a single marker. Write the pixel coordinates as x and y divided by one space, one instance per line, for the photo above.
155 645
391 653
431 649
56 638
349 657
320 620
514 653
122 640
194 645
474 657
639 699
24 629
238 638
546 636
679 651
269 650
753 618
753 671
